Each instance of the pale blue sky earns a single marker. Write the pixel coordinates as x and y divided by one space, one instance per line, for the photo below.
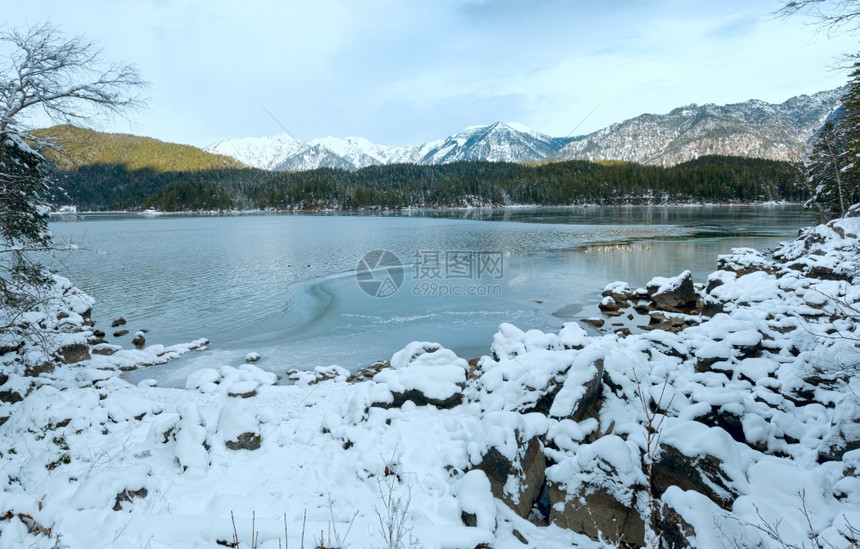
404 72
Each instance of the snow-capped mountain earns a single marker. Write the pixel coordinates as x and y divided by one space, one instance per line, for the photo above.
266 153
350 154
495 143
753 128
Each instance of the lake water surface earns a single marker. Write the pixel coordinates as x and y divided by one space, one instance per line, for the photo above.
285 285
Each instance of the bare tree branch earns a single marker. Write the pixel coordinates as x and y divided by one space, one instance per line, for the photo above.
69 81
832 16
65 77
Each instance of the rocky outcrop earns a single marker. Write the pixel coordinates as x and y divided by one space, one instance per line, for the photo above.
10 396
420 398
596 512
675 532
709 355
579 395
75 352
423 373
701 473
243 389
239 426
126 496
527 473
600 492
38 369
843 436
245 441
673 294
743 261
609 306
139 340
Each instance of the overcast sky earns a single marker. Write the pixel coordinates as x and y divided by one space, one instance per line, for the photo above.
403 72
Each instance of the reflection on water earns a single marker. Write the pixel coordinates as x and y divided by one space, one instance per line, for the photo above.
284 286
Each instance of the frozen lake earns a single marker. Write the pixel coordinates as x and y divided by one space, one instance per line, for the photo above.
285 285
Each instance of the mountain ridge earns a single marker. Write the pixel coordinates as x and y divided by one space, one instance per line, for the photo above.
497 142
753 128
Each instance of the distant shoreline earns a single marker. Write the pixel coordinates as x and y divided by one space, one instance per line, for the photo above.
58 215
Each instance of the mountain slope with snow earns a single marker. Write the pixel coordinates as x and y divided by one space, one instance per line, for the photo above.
752 129
351 153
266 153
497 142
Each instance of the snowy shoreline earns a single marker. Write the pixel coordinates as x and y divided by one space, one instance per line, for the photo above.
69 213
708 431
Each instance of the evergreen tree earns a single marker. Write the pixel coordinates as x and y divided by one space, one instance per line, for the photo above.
23 218
824 172
834 192
833 169
851 126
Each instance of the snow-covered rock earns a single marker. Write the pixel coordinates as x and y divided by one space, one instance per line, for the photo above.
476 499
424 373
600 491
239 426
743 422
673 294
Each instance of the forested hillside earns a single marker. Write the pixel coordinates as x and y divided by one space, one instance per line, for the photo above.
112 171
707 179
81 147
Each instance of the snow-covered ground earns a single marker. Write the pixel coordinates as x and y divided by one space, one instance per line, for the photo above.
738 429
